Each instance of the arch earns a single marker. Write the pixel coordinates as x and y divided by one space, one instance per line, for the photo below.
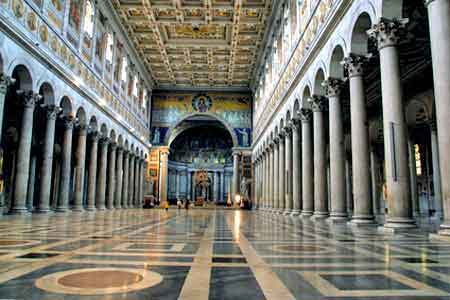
319 89
24 80
104 130
47 93
359 38
172 134
93 125
296 110
417 112
112 135
81 116
336 70
66 106
288 117
305 96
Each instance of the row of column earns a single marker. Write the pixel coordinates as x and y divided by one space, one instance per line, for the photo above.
122 170
218 184
309 193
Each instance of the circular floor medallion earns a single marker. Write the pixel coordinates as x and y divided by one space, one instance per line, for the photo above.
17 243
98 281
299 249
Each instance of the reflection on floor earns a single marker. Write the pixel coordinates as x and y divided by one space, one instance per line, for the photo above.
213 254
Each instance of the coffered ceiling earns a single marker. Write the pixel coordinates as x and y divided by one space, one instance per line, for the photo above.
197 43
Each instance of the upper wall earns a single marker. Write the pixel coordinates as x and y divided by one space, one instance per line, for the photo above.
233 110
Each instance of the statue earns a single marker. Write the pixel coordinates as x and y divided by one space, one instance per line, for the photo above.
156 136
245 139
244 189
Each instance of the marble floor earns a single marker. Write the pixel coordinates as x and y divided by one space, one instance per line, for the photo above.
213 254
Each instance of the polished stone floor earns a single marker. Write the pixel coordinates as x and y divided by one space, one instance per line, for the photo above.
213 254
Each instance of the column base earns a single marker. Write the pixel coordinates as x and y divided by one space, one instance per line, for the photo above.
320 215
41 210
280 211
306 214
287 212
363 221
338 219
443 232
78 208
398 225
61 210
91 209
339 216
295 213
19 211
119 207
101 208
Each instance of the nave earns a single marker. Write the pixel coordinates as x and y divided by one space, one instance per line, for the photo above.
214 254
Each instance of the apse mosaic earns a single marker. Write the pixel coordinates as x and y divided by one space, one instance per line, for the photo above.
232 108
202 145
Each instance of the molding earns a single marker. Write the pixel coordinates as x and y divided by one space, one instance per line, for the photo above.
22 40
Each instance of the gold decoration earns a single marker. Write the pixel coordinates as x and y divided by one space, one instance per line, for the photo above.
32 21
43 33
54 44
18 8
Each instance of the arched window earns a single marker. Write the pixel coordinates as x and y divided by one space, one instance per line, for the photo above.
109 47
89 19
135 86
123 72
144 99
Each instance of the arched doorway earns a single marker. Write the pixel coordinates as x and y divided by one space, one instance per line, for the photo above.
200 163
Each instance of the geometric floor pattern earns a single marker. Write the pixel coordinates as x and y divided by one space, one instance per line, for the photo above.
213 254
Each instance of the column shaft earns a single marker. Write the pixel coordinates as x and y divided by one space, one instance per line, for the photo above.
281 171
235 176
288 172
131 182
320 167
439 21
92 180
119 179
296 168
394 128
307 165
436 173
101 180
111 176
23 153
362 203
43 205
125 179
80 158
66 165
337 152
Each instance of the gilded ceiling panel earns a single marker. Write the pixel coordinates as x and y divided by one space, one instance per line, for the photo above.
197 43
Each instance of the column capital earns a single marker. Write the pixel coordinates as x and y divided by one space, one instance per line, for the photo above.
305 114
433 125
29 98
288 128
164 150
113 146
119 149
318 103
333 86
296 123
387 32
427 2
94 135
68 122
51 111
82 128
5 82
276 140
104 141
354 64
